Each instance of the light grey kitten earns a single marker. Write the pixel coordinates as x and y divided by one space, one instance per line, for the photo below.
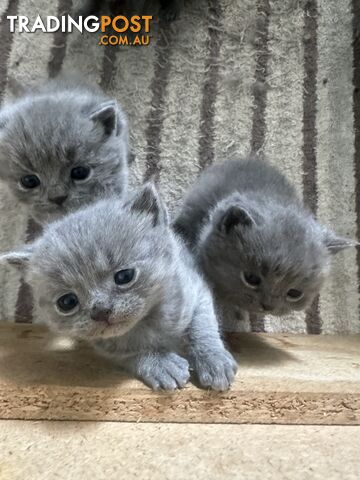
118 277
61 146
260 249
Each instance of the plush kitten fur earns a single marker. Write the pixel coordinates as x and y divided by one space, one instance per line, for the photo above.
244 222
63 124
152 323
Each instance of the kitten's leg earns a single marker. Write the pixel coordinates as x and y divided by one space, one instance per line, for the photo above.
214 366
158 370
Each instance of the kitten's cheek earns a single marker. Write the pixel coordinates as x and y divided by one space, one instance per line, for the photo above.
122 328
126 319
130 307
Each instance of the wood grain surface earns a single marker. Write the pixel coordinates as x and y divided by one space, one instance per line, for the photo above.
282 379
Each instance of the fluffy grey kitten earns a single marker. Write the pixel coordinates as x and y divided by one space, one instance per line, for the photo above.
118 277
260 249
61 146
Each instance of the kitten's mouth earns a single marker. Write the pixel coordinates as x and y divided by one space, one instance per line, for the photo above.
50 215
109 328
257 309
59 210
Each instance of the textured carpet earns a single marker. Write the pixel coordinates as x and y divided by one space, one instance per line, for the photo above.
228 77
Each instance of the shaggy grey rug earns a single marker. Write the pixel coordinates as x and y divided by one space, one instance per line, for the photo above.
227 77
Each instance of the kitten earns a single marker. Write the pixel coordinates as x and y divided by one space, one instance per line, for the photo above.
61 146
260 249
116 276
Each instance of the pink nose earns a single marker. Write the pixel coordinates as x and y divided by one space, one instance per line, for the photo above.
100 314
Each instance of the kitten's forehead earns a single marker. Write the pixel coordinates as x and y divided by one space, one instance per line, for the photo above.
90 243
292 248
46 130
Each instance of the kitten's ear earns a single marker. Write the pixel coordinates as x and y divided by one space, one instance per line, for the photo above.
18 259
335 244
233 217
147 200
107 115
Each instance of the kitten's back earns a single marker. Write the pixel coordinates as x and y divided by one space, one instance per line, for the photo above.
251 175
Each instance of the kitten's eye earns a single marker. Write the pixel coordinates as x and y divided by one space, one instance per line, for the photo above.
294 295
124 276
250 279
30 181
67 303
80 173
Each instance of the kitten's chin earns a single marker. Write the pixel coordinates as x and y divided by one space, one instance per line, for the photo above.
47 217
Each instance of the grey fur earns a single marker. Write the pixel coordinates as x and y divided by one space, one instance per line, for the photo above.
60 125
244 216
160 323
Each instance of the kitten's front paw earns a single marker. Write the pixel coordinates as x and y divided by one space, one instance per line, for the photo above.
166 371
216 370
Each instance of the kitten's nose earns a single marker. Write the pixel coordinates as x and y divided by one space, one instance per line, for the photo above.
266 307
100 314
59 200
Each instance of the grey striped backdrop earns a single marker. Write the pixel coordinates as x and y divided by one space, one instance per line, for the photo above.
229 77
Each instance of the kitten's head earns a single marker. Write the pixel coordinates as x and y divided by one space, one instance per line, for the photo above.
58 152
266 263
99 271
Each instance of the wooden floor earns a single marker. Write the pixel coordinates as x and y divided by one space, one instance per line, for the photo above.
32 450
281 380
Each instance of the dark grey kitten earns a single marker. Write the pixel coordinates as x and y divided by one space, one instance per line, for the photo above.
118 277
61 146
259 247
